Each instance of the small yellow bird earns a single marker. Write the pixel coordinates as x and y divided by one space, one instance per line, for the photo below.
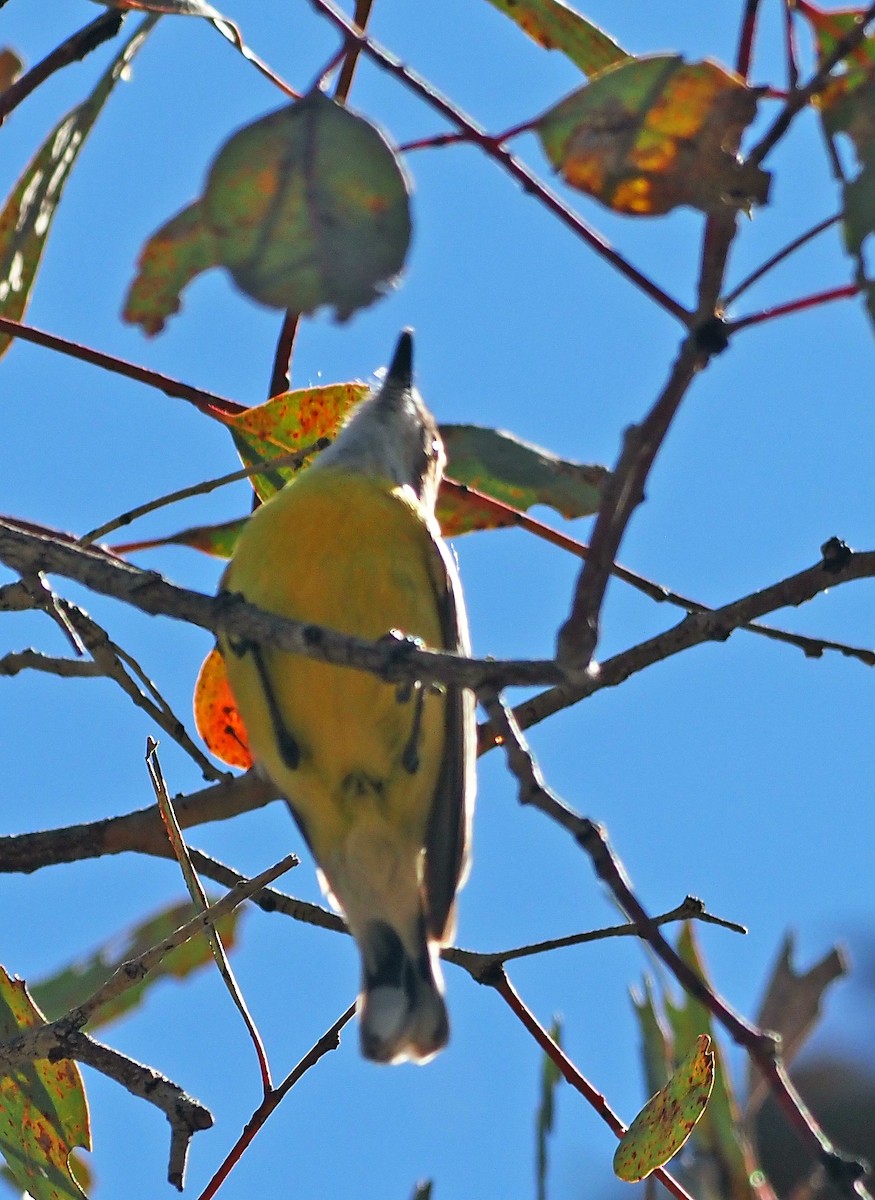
379 777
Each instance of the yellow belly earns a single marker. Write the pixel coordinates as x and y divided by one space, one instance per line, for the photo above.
350 553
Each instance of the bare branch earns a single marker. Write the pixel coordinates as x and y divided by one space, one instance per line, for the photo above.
390 658
74 49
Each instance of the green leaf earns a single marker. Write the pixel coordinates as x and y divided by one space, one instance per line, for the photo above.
668 1118
720 1137
556 26
654 133
43 1110
306 207
519 473
550 1080
217 540
68 988
656 1042
27 216
180 250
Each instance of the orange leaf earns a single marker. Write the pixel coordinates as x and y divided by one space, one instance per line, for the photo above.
216 716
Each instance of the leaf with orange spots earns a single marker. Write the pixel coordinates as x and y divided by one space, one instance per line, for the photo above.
216 716
308 206
288 423
654 133
668 1118
26 218
556 26
43 1110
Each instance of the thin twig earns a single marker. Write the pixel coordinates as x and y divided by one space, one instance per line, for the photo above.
509 517
281 372
360 17
203 401
330 1040
34 660
74 49
293 460
571 1074
747 37
779 257
480 963
531 184
845 292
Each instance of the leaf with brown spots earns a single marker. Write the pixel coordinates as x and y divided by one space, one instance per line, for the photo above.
43 1110
216 716
654 133
668 1118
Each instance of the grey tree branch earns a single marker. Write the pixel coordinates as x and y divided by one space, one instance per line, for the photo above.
26 552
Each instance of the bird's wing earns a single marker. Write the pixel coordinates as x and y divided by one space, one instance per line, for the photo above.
448 834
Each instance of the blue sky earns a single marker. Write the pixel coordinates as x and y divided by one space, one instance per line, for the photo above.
739 772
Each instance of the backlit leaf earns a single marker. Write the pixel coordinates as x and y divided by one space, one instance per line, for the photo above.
216 716
520 474
43 1110
654 133
556 26
669 1117
27 215
289 422
306 207
76 983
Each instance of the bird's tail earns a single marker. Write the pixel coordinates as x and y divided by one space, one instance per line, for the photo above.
402 1011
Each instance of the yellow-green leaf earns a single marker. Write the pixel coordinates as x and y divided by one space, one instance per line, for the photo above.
668 1118
43 1110
27 215
289 422
75 983
654 133
556 26
308 206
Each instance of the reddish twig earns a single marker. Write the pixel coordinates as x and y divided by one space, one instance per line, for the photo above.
330 1040
206 402
530 183
500 982
746 38
778 257
799 97
74 49
794 306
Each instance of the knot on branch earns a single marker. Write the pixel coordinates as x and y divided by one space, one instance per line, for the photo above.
836 555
